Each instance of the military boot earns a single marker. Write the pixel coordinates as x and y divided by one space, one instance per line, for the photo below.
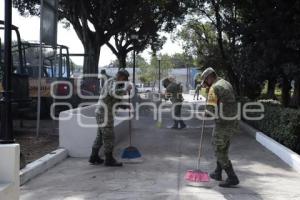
175 125
111 162
217 174
95 158
182 124
232 179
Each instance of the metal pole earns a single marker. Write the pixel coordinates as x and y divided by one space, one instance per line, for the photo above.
38 120
134 66
21 61
6 134
159 76
187 77
60 63
0 54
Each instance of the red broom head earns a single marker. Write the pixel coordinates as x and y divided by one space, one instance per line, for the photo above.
197 176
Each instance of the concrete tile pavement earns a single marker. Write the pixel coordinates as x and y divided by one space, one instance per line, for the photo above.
168 155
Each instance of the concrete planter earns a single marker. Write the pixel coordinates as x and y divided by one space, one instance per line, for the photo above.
78 130
75 140
9 172
285 154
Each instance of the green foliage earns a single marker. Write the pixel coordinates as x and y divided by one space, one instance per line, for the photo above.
269 35
200 39
1 71
149 72
281 124
250 41
1 61
157 16
181 60
96 21
139 61
264 94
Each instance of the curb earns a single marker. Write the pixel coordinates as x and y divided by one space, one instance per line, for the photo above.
285 154
41 165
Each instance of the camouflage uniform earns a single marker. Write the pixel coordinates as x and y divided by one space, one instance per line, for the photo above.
103 79
197 91
174 93
221 96
105 133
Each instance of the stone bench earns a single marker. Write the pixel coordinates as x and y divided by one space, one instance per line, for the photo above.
78 130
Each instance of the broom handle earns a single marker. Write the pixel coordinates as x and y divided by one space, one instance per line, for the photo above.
130 138
201 137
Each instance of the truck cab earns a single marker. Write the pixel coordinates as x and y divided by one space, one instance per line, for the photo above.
26 63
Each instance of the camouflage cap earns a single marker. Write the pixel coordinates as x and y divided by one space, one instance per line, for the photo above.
205 74
166 82
172 78
123 72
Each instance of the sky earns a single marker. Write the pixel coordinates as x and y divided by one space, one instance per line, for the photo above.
29 29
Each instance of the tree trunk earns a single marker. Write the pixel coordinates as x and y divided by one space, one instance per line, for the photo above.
271 88
122 60
91 59
286 87
91 83
295 101
225 61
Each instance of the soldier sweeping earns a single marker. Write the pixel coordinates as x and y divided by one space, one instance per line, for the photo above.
174 93
221 104
197 91
109 96
104 77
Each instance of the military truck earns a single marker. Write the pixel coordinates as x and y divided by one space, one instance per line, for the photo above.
56 66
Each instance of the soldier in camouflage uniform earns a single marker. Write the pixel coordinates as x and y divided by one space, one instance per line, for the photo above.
174 93
109 96
197 91
222 105
104 77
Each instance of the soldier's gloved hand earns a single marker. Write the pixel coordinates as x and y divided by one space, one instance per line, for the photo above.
209 115
129 87
124 107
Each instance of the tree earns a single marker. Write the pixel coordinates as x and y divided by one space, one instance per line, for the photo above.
149 73
271 28
200 39
256 41
157 16
213 37
182 60
125 43
95 21
222 14
166 65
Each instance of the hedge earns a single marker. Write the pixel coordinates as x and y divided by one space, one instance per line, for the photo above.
281 124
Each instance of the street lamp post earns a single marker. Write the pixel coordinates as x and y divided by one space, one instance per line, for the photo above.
159 74
134 37
134 66
187 77
6 133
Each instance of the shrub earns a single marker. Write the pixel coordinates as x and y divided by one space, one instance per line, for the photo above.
281 124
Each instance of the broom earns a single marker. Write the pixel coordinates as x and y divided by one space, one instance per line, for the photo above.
159 123
131 154
197 177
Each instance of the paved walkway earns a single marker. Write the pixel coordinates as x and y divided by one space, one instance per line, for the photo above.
168 155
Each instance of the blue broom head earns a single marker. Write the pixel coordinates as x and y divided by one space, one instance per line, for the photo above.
131 153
